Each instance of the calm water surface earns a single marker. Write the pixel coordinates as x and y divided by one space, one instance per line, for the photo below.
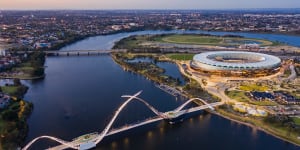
171 69
80 94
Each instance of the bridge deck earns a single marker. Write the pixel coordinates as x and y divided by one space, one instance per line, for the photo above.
115 131
77 52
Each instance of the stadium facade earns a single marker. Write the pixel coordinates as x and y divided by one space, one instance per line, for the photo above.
236 63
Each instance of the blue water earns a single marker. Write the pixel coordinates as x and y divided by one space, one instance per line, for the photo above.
172 70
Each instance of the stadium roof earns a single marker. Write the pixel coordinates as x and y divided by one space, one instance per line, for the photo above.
208 60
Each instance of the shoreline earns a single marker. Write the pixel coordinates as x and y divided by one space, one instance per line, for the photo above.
256 127
24 78
23 113
25 108
269 132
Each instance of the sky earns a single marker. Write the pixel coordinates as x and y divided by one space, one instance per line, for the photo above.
146 4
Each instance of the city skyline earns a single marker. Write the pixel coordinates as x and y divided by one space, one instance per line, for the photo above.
147 4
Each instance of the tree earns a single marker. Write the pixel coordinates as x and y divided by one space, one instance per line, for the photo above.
17 82
10 115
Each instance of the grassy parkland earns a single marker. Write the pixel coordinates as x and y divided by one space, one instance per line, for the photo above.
195 39
31 68
177 56
154 41
241 96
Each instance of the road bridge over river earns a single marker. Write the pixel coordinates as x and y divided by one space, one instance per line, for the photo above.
77 52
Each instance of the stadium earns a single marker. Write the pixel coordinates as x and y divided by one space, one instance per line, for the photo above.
236 63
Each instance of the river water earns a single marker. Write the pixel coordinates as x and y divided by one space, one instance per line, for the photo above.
80 94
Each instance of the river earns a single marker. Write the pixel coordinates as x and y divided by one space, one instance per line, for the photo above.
80 94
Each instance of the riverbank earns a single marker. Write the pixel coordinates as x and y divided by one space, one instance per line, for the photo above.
13 125
23 77
280 132
251 123
15 111
77 38
29 69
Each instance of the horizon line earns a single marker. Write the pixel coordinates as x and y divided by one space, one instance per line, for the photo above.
137 9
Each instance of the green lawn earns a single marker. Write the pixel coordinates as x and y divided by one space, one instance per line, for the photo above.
208 40
181 56
241 97
17 91
254 87
263 103
24 67
10 90
192 39
238 95
131 42
296 120
136 42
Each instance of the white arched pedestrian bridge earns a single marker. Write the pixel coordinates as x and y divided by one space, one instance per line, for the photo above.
97 137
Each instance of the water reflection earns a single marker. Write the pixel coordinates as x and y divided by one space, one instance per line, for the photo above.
126 142
254 132
149 135
114 145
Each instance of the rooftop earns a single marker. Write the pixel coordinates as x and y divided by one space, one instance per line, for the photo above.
237 60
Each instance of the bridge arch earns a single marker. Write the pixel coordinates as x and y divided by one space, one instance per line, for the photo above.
109 125
130 98
191 100
51 138
106 129
158 113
